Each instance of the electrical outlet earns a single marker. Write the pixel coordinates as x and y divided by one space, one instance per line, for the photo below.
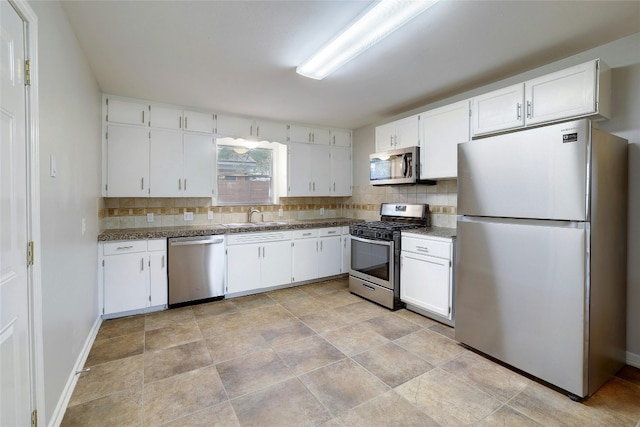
209 214
150 217
280 212
188 216
321 211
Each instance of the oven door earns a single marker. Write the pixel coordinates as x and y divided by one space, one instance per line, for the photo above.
372 260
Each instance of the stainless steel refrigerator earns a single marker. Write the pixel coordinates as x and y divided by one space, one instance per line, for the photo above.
541 261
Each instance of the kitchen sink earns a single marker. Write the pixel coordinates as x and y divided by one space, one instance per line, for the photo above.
239 224
253 224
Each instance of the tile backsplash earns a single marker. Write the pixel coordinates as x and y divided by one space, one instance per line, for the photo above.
117 213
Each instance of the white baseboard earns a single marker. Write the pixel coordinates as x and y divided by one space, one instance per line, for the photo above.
633 359
61 407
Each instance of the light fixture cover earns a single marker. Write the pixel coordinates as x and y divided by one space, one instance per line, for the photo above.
377 22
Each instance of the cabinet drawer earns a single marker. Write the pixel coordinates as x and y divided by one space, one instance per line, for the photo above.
124 247
305 234
247 238
157 245
427 247
331 231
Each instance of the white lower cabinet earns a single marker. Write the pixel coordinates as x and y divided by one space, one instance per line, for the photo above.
258 260
330 251
317 253
305 255
134 276
426 275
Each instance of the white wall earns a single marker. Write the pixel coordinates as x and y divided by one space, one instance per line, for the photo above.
70 102
623 56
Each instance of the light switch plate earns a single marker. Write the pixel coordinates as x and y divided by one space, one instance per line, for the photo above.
53 166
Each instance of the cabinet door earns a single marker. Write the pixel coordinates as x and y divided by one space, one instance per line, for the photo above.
300 134
320 163
340 137
442 130
564 94
199 157
157 279
127 161
498 110
426 283
346 253
330 256
165 117
299 168
234 126
305 259
385 136
408 132
127 112
276 263
320 136
198 122
340 171
266 130
125 282
165 164
243 267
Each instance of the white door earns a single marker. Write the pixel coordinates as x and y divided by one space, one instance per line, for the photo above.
127 112
330 256
305 259
126 281
243 267
320 170
385 136
165 164
198 122
165 118
127 161
299 169
340 171
408 132
425 283
276 263
501 109
199 155
15 379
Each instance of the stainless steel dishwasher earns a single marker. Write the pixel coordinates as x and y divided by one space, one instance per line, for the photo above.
196 269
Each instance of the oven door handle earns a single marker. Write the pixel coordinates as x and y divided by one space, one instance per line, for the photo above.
375 242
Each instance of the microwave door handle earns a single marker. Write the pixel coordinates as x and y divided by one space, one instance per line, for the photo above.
405 165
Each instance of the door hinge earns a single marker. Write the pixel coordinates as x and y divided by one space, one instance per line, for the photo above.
30 253
34 418
27 72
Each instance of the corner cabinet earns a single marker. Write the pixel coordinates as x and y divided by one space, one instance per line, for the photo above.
426 276
134 277
580 91
441 131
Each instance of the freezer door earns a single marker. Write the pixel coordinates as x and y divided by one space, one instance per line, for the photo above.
536 173
521 296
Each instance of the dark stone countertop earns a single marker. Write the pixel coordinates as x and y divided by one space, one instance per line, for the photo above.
212 229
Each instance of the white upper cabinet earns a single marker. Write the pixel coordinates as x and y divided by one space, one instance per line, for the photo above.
181 165
442 130
341 176
398 134
165 164
309 168
127 112
499 110
568 93
308 134
127 161
199 156
195 121
163 117
579 91
340 137
243 127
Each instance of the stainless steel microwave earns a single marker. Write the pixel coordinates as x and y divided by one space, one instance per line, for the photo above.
401 166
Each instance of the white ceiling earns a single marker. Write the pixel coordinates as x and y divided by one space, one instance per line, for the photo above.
240 57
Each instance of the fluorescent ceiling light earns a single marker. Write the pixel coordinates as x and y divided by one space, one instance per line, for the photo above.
382 19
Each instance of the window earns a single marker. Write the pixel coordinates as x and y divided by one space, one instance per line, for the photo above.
244 175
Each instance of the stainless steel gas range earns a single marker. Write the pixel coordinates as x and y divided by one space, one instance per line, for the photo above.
374 273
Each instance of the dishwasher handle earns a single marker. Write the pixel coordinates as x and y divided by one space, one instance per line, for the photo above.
196 242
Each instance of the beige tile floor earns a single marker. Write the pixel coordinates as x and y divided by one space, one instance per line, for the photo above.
315 355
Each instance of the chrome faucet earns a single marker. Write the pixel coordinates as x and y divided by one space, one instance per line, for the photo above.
254 210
